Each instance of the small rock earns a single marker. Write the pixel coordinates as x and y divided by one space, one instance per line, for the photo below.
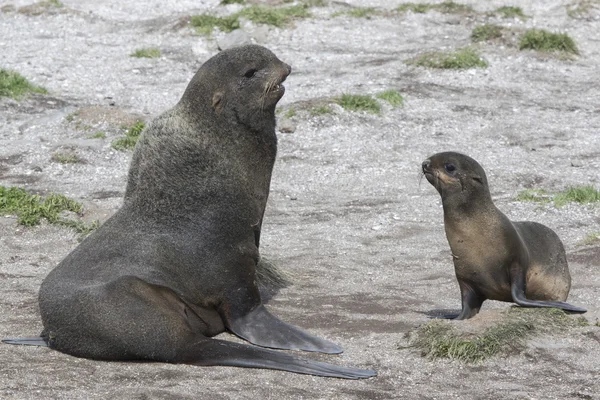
286 125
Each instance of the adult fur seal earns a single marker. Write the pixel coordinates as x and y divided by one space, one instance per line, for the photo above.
176 264
494 258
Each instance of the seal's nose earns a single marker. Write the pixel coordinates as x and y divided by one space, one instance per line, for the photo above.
426 166
288 67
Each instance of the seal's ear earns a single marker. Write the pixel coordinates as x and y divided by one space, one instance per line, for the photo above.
217 101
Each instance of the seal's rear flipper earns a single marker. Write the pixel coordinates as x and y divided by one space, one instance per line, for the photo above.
264 329
34 341
219 352
519 298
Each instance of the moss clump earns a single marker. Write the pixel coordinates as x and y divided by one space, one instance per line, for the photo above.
13 85
580 194
150 52
30 209
459 59
357 102
320 110
486 32
392 96
66 158
130 139
439 339
98 135
417 8
591 239
510 12
278 17
291 113
543 40
205 23
447 7
535 195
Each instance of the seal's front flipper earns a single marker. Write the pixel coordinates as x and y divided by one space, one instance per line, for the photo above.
519 298
264 329
220 352
34 341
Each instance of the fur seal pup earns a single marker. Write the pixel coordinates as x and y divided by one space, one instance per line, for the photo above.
177 263
522 262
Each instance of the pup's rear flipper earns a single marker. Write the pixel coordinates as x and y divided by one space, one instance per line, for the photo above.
262 328
34 341
219 352
519 298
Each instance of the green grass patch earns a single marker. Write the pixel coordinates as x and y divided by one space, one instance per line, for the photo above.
357 102
535 195
581 194
576 194
130 139
66 158
464 58
417 8
510 12
543 40
98 135
13 85
392 96
440 339
149 52
226 2
321 110
205 23
360 12
291 113
592 238
483 33
278 17
447 7
31 209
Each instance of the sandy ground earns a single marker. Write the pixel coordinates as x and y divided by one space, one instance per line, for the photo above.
348 215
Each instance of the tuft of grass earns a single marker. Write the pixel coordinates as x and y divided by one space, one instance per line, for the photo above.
392 96
66 158
591 239
464 58
535 195
486 32
357 102
205 23
98 135
290 113
581 194
149 52
130 139
439 339
13 85
278 17
31 209
543 40
225 2
447 7
510 12
362 12
320 110
417 8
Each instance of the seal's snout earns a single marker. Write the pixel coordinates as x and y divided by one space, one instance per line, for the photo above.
426 166
288 69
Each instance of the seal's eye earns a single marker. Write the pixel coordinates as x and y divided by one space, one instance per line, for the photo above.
450 168
250 73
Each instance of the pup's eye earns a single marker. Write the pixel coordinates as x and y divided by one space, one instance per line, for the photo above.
250 73
450 168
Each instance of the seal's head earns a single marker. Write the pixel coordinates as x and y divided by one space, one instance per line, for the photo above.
458 178
241 85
